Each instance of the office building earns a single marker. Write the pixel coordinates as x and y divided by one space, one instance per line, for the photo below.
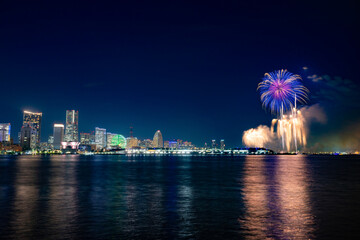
213 144
222 144
86 138
58 135
109 138
100 138
27 139
5 132
72 126
158 140
32 120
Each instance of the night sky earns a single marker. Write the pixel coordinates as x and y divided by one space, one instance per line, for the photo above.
188 68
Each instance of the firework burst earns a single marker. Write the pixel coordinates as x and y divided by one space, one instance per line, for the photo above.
280 89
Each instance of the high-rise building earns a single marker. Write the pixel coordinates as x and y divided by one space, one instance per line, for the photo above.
58 135
27 138
100 138
158 140
213 144
166 144
109 138
222 144
33 120
85 138
92 137
72 126
5 132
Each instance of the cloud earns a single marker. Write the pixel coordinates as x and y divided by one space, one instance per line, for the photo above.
314 113
315 78
339 98
334 90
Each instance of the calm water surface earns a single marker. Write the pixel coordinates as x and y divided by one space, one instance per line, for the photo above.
127 197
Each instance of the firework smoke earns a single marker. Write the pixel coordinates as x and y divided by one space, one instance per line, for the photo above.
258 137
292 129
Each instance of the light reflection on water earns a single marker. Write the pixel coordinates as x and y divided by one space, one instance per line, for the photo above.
105 197
276 197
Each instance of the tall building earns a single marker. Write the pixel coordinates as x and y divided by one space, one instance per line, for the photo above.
5 132
58 135
158 140
100 138
213 144
85 138
27 138
72 126
109 138
92 137
32 120
222 144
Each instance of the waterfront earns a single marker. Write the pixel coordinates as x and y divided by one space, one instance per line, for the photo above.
179 197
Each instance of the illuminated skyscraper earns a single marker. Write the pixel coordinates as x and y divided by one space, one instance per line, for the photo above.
32 120
72 126
213 144
100 138
5 132
85 138
158 140
222 144
109 138
58 135
27 138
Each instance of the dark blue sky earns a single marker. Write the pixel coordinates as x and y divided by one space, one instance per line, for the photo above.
188 68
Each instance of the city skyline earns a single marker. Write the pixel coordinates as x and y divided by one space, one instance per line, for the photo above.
60 131
189 69
64 136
